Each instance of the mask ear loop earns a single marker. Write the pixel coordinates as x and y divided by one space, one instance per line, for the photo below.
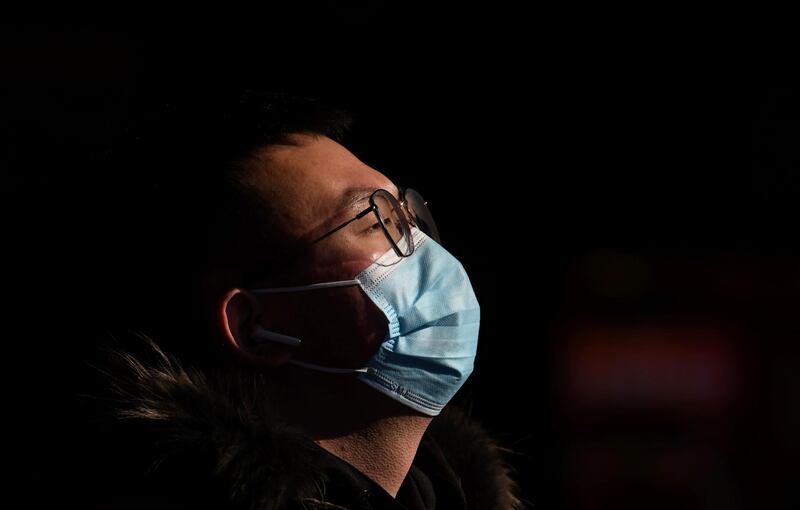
259 333
300 288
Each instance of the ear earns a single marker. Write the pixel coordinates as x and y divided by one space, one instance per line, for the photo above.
238 317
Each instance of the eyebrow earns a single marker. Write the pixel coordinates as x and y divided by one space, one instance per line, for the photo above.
354 195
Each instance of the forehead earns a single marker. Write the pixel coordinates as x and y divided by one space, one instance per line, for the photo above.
308 181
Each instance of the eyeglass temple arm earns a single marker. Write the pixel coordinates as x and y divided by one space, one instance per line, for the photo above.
340 227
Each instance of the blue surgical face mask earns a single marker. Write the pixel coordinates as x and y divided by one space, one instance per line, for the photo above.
433 318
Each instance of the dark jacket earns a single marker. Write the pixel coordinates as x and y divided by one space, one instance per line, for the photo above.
180 438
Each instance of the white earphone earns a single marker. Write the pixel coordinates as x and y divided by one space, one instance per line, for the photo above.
262 335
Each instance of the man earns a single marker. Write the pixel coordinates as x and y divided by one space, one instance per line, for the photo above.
348 328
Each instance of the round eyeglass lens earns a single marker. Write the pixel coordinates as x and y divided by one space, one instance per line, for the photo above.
393 220
420 214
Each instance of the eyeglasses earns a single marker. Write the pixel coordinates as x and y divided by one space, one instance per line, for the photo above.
395 219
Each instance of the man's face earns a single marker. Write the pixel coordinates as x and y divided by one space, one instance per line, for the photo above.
309 188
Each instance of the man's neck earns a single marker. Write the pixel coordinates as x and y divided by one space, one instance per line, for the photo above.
383 451
373 433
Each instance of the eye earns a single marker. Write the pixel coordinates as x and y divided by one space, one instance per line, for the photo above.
377 226
373 228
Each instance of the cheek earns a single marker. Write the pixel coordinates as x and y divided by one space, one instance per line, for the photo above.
335 266
353 327
339 327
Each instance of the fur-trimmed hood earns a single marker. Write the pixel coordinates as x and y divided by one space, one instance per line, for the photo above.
216 439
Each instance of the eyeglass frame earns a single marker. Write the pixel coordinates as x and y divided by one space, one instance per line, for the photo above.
408 220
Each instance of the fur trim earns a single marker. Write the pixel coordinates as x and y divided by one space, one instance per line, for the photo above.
262 463
485 476
223 430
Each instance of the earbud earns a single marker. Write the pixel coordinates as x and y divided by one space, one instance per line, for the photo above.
262 335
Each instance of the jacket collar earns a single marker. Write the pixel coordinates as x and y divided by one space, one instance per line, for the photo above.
257 460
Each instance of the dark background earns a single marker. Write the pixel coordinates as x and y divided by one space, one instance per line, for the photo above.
622 191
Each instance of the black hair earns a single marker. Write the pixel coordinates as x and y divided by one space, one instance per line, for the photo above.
171 179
